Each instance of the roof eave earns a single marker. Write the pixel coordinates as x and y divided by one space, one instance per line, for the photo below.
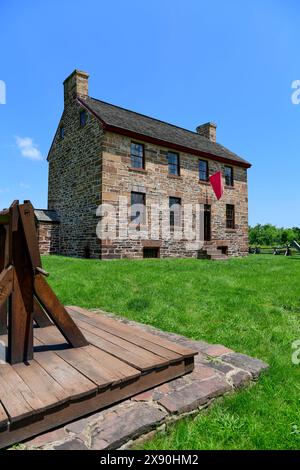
174 146
163 143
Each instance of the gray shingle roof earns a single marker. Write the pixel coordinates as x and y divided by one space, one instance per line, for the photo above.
45 215
147 126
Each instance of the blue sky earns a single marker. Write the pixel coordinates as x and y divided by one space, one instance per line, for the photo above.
183 61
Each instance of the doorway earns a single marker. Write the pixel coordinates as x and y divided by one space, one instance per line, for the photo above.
207 222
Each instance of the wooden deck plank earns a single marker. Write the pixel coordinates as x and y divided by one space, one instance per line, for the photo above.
80 359
152 338
118 352
114 368
153 359
88 366
3 418
41 383
51 336
133 359
117 329
111 363
17 398
72 381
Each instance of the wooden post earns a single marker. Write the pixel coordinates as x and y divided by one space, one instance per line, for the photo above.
25 295
20 317
3 307
3 318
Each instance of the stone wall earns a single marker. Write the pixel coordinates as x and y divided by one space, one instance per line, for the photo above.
119 179
48 236
75 182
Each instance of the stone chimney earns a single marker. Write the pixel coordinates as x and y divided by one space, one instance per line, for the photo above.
208 130
76 84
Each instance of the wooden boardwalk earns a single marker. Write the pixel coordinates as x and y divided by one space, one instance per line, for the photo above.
62 383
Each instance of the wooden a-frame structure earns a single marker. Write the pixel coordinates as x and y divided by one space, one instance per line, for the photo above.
25 296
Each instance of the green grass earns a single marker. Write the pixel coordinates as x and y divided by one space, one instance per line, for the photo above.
251 305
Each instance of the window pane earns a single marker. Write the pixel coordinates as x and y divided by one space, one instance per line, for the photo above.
136 162
228 176
137 155
83 118
138 213
175 211
203 170
230 222
173 163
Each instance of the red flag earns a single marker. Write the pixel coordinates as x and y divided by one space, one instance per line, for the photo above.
217 184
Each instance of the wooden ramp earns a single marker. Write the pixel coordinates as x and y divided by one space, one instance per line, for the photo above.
62 383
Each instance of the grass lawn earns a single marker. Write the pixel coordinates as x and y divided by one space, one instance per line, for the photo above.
251 305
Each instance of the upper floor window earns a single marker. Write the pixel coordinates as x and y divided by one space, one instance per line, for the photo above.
203 170
228 175
83 118
138 207
173 163
61 132
230 216
137 152
175 211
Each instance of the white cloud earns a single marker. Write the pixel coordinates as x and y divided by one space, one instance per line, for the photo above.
24 185
28 148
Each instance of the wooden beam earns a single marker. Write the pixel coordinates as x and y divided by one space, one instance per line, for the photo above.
2 246
20 325
20 314
12 228
3 318
57 313
39 315
6 283
27 216
3 307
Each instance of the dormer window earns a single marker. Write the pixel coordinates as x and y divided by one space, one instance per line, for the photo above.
83 118
61 132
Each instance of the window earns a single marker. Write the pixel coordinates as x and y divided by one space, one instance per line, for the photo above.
203 170
175 211
61 132
173 163
137 155
230 223
138 207
83 118
228 175
151 253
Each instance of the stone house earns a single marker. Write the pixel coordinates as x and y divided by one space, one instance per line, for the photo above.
101 152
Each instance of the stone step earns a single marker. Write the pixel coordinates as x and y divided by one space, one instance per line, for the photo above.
210 251
219 257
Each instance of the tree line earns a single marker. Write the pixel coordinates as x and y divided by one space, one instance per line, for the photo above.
270 235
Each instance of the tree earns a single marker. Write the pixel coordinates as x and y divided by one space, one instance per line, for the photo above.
269 235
